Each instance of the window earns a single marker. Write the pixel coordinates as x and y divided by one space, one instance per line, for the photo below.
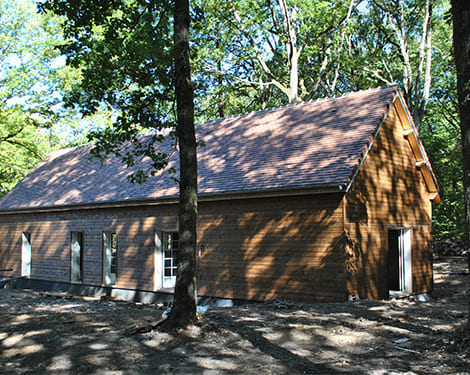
170 253
110 258
26 254
166 259
76 257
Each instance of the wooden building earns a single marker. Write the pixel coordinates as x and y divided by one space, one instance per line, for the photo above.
313 202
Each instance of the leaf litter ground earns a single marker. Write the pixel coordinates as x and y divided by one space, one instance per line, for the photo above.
53 333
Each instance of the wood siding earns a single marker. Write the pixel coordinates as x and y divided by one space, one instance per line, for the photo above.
388 192
250 249
50 243
317 247
273 248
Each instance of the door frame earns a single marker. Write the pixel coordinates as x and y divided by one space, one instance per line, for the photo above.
405 264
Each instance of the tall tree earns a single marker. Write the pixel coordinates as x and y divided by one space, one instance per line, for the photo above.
185 299
133 61
461 23
26 84
268 53
395 41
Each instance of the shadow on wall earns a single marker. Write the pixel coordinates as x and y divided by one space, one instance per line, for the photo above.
388 193
50 236
10 250
286 247
259 249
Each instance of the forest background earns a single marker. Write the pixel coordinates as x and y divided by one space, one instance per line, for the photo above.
249 55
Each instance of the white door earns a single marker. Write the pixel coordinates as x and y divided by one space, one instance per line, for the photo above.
166 252
26 255
407 278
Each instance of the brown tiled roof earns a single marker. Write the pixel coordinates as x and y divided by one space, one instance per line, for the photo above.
309 145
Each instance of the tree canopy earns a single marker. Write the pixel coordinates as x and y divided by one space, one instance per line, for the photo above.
133 56
123 51
246 55
254 55
33 79
26 67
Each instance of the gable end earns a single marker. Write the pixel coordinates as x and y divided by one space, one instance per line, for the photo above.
409 131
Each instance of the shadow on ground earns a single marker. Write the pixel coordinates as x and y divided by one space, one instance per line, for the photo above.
45 333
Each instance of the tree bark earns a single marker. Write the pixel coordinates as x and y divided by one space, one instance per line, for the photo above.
416 83
290 31
461 25
425 57
183 312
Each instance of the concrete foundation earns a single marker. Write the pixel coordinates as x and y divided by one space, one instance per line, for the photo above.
129 295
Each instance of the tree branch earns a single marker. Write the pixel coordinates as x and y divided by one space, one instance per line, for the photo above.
259 57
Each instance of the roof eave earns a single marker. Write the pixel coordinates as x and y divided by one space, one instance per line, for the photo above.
203 197
418 149
277 192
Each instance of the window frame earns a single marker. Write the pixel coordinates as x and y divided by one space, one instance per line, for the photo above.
161 278
80 240
26 252
110 256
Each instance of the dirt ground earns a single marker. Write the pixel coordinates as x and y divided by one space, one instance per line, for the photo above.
47 333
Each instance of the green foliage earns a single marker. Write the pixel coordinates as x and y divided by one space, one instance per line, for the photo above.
33 120
229 75
26 53
441 132
441 136
123 50
19 149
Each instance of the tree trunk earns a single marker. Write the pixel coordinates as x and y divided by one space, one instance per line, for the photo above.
183 312
290 31
425 60
461 22
292 52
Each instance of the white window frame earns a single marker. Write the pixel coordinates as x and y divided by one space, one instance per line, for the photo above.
76 257
161 243
109 277
26 257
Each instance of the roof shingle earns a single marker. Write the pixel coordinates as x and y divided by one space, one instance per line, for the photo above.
304 146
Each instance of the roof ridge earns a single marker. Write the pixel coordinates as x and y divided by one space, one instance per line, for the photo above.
351 93
65 150
303 103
